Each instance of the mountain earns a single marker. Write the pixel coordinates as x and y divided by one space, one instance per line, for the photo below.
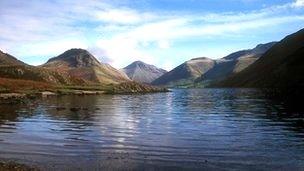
144 73
80 63
234 63
281 66
205 70
186 73
12 68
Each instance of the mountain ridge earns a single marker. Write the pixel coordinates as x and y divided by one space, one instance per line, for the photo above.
191 74
280 66
234 63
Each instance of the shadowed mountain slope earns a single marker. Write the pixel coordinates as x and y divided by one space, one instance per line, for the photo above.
280 66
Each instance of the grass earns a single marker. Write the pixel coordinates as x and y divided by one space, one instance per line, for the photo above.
17 85
24 86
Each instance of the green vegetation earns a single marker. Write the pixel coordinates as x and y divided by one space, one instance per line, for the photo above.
32 88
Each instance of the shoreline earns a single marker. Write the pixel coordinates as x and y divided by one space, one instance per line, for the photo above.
23 97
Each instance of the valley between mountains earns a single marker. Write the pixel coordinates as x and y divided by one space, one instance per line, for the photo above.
77 71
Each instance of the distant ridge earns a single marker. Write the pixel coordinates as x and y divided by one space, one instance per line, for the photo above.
235 63
144 73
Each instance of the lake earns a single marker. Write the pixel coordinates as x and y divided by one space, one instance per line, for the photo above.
195 129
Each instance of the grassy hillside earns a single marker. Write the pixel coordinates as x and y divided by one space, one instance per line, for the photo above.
26 72
19 85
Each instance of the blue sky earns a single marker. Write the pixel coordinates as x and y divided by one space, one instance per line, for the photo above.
161 32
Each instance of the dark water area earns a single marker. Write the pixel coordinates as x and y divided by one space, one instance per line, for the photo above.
196 129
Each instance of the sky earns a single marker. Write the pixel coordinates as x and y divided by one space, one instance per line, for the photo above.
164 33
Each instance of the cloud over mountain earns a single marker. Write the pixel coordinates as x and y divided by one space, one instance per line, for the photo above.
37 30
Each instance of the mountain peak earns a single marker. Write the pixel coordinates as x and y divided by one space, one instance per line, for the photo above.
140 64
137 63
76 58
143 72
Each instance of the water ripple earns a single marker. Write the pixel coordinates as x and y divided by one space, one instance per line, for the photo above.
199 128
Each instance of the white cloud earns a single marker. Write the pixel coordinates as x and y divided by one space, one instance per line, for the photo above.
49 48
168 65
298 3
163 44
121 51
122 16
127 45
42 28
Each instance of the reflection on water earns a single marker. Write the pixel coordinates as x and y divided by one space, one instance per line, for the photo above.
183 129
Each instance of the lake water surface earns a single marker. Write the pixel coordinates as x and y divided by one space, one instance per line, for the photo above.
214 129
